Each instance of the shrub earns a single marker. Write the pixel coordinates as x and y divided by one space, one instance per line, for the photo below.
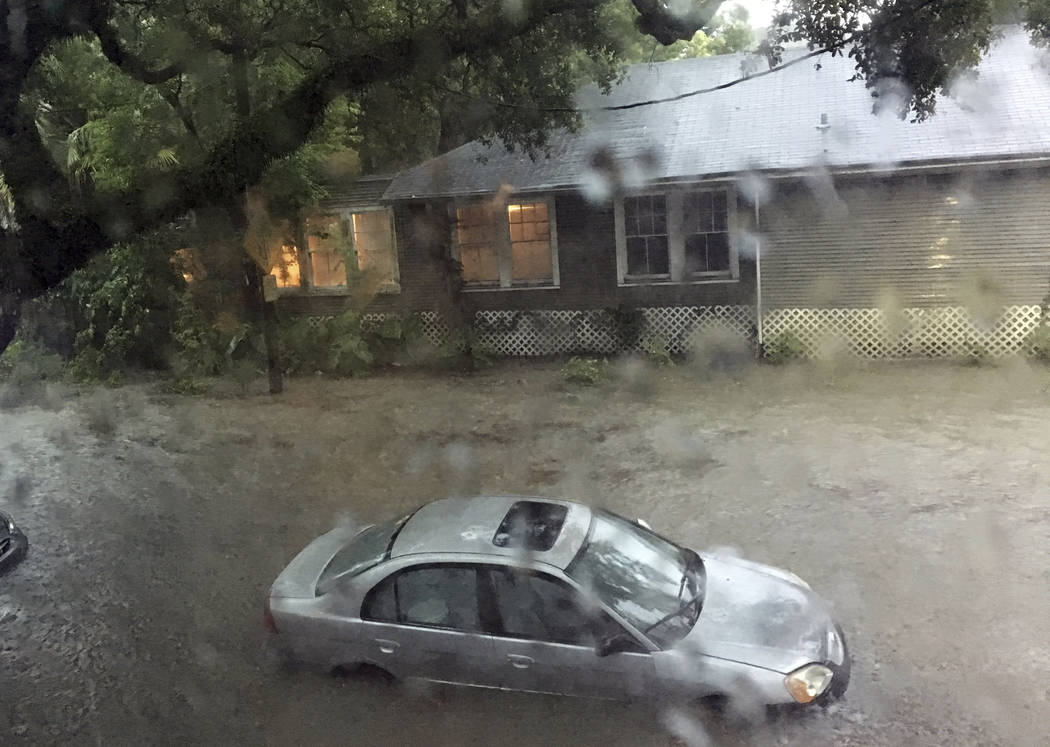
87 366
783 348
976 353
1039 342
123 306
585 371
347 349
655 350
26 373
199 348
462 351
336 346
185 385
24 363
396 340
9 358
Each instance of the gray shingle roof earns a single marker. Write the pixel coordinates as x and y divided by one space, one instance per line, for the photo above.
363 191
768 123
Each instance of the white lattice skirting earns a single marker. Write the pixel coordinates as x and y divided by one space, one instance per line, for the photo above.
944 332
533 333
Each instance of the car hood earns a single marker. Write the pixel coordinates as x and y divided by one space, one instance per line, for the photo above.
299 578
754 615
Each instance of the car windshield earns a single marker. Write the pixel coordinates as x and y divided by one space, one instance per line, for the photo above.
367 549
639 574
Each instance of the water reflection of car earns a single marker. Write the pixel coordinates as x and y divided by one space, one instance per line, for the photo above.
552 596
13 543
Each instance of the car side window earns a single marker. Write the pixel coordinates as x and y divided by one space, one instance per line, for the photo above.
432 596
539 607
381 602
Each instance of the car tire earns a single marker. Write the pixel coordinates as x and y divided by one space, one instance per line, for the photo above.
369 673
17 550
840 682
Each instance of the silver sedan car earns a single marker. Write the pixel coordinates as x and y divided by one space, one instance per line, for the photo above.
551 596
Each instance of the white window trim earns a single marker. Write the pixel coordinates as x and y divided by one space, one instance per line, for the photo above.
346 218
393 286
676 241
503 246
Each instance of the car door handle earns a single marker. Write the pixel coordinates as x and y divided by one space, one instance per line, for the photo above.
387 647
521 662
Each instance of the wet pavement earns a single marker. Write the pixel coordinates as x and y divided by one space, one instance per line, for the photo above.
914 498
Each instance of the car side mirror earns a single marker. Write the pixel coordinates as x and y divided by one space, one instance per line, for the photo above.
615 644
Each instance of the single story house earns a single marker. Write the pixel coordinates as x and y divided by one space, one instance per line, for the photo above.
783 204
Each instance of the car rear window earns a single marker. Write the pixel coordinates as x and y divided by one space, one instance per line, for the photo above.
368 548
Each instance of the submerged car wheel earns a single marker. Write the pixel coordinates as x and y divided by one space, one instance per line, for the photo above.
366 673
13 543
840 679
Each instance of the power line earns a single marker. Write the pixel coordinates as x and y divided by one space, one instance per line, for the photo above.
846 40
639 104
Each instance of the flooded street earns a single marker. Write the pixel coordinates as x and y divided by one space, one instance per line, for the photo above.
913 497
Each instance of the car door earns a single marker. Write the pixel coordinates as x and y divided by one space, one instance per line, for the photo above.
423 622
545 638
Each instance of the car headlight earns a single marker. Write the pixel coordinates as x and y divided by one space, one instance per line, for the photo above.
808 683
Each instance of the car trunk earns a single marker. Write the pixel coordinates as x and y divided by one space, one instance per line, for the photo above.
299 579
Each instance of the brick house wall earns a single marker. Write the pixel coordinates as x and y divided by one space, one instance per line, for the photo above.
586 260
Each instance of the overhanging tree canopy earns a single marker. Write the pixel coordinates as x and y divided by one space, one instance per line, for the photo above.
235 86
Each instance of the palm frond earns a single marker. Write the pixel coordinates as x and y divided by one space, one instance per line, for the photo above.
165 158
7 206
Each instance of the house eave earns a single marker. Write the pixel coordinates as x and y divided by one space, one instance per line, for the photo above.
932 166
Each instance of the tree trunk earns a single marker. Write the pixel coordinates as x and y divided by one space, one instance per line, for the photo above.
434 229
263 313
10 313
258 309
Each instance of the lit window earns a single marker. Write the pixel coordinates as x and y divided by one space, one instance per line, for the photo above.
508 246
645 227
477 239
530 243
373 237
285 267
326 237
189 265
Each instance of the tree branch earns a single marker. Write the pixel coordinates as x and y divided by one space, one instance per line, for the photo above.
175 102
667 25
130 64
61 230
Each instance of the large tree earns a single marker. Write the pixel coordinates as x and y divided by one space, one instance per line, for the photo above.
249 81
203 97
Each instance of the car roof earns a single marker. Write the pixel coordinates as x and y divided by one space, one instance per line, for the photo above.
468 526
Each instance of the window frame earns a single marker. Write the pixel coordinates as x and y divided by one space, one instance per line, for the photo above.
345 216
301 265
504 245
392 577
622 219
489 617
676 232
394 286
490 606
308 255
